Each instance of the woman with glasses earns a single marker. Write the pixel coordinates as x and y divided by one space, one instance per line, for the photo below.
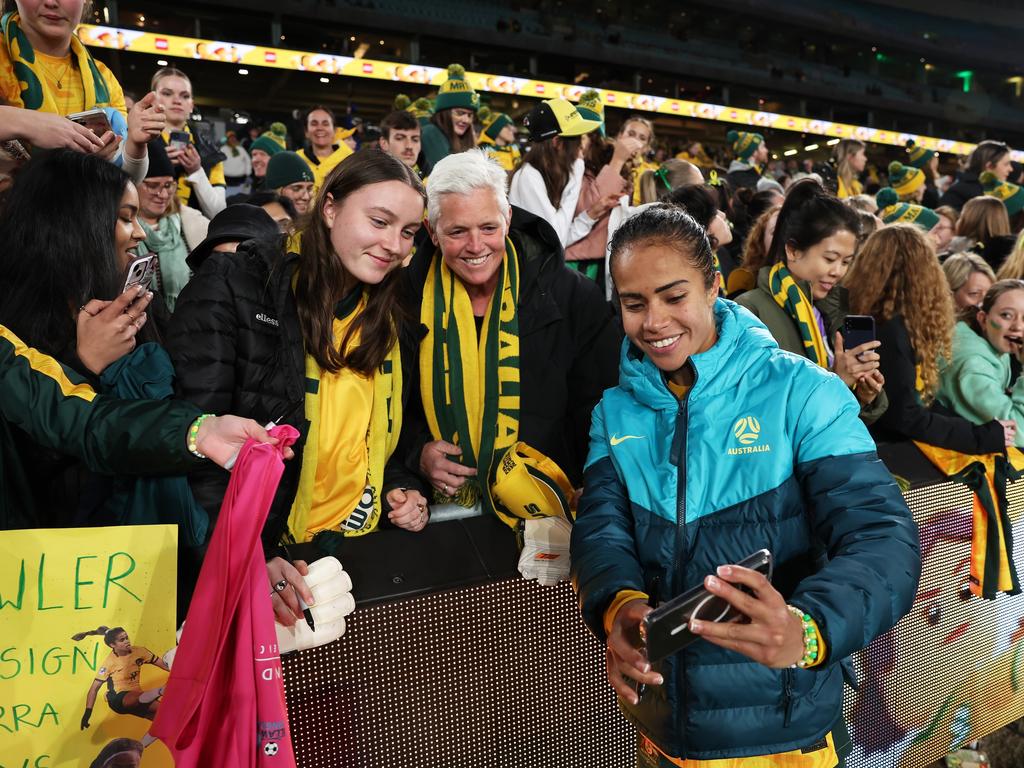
172 230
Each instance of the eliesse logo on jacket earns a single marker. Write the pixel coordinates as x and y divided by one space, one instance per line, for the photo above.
747 432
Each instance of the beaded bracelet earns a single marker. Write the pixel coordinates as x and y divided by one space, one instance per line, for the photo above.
810 637
193 433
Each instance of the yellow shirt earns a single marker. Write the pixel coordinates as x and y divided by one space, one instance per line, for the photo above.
123 671
70 96
322 166
822 757
639 171
855 188
343 460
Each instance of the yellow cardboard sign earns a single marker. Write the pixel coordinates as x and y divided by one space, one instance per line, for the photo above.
84 613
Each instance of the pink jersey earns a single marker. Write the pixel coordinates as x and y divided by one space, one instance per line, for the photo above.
224 702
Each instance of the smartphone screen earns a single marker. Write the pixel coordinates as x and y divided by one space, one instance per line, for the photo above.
857 330
179 139
95 120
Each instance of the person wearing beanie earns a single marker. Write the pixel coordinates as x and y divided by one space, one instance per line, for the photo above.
265 147
750 154
891 210
323 150
172 229
498 138
290 176
451 126
927 161
591 106
400 136
549 180
907 181
1011 194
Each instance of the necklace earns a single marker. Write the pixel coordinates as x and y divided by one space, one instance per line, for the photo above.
60 78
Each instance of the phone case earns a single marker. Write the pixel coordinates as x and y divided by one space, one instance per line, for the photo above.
140 272
666 630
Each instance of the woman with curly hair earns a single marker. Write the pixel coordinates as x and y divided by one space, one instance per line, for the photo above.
898 281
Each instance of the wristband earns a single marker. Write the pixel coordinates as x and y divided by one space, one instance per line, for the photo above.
810 638
193 433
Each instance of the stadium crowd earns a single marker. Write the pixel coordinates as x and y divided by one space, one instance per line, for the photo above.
441 303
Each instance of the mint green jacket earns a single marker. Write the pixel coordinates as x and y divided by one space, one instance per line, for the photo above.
976 384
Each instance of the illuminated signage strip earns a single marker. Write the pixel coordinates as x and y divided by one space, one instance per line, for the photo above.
138 41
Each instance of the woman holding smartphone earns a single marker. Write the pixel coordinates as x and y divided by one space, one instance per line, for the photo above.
312 339
714 445
799 296
46 73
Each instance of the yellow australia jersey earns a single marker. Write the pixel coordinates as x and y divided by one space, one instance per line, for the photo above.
124 671
216 174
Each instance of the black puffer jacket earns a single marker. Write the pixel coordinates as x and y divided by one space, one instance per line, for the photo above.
965 188
237 348
569 347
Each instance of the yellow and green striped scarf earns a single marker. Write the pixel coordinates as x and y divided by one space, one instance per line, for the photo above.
381 441
797 305
470 387
34 93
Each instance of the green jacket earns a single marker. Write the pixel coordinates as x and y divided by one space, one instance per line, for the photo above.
56 410
976 385
434 147
833 308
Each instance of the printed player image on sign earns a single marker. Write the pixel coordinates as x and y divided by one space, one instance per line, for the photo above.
88 618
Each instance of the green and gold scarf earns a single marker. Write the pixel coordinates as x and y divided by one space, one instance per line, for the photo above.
34 92
469 386
788 295
381 440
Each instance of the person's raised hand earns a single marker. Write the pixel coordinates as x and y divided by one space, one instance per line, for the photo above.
443 473
146 120
286 583
625 660
602 206
408 509
106 329
626 147
774 636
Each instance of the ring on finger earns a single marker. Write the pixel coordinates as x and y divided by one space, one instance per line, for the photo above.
281 586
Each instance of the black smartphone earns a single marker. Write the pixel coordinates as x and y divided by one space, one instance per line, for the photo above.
179 139
857 330
666 629
140 272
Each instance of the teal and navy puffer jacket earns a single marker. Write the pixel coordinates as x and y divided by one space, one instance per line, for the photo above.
767 451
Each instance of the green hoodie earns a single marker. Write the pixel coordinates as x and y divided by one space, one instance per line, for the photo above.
975 384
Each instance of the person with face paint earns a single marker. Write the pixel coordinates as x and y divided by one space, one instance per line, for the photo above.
799 296
977 384
897 280
450 128
706 394
311 339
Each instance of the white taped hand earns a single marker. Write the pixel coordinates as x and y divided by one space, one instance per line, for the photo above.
333 601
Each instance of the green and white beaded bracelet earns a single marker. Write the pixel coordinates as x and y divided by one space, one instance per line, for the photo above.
193 433
810 637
